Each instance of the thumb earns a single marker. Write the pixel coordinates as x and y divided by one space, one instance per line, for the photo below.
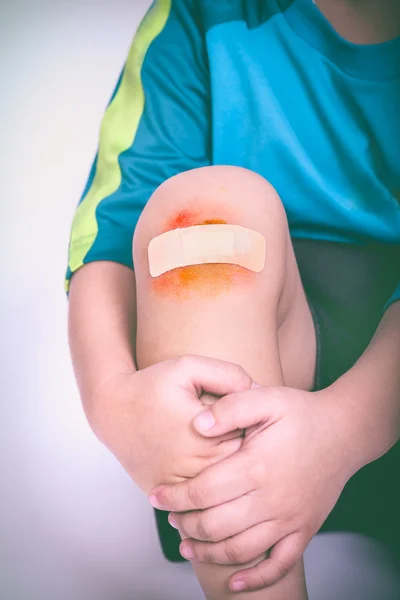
202 374
236 411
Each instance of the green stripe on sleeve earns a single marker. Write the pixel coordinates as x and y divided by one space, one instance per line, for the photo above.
117 133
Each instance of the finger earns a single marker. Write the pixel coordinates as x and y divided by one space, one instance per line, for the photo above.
281 561
222 482
237 550
231 435
241 548
238 411
225 449
219 377
220 522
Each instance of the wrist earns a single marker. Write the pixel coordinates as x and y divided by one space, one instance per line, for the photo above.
348 428
98 403
109 380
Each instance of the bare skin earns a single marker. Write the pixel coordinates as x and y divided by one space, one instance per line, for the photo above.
260 321
363 21
283 296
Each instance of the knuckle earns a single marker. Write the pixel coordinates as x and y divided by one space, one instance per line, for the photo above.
183 362
196 496
283 568
158 385
205 531
207 555
182 529
242 374
235 553
257 473
265 581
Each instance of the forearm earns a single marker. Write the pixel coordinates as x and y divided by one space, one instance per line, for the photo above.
371 392
101 325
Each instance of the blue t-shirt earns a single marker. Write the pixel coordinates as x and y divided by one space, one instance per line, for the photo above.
268 85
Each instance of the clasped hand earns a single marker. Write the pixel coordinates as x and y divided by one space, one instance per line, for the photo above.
271 496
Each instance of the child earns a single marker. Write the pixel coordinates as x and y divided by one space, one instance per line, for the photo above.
302 99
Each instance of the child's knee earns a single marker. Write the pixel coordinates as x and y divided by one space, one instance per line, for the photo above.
217 193
214 195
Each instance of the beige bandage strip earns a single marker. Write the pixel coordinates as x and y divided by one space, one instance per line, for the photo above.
204 244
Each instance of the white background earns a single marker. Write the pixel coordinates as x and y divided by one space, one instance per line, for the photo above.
73 526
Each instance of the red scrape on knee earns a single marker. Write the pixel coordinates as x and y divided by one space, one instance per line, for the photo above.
206 280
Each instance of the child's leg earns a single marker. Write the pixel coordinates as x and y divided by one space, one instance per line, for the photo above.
258 320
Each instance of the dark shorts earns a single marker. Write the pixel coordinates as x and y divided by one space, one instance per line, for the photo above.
347 287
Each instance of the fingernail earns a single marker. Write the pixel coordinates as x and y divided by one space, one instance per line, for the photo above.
186 551
172 522
154 501
255 386
204 421
238 586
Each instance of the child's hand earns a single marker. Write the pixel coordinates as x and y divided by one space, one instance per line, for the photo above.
145 418
275 492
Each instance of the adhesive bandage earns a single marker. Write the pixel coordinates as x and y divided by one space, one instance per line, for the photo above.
205 244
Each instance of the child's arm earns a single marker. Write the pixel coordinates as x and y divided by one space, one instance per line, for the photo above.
143 417
371 390
101 326
157 124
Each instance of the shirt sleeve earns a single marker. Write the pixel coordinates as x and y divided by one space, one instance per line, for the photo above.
157 124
